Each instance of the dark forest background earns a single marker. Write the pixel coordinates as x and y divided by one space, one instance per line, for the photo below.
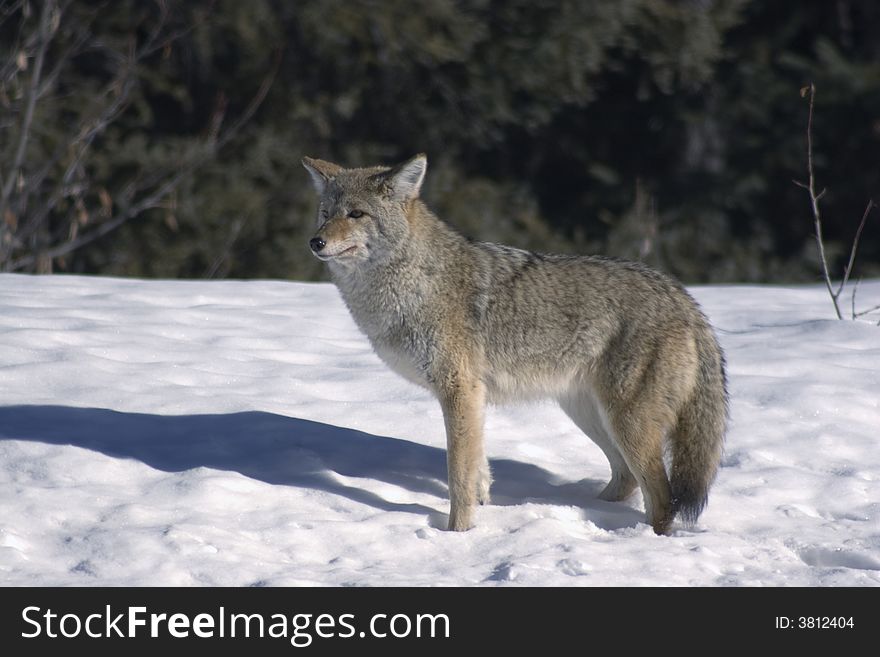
163 139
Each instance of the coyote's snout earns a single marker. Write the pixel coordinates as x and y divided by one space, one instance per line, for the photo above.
624 349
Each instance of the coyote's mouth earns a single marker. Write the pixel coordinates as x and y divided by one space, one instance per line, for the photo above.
323 255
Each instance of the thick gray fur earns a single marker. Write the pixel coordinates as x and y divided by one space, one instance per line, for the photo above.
623 348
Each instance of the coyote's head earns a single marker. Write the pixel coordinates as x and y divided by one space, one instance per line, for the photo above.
362 213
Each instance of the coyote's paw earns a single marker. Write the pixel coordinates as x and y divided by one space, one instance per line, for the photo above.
460 519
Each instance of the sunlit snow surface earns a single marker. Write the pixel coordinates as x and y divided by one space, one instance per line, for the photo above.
243 433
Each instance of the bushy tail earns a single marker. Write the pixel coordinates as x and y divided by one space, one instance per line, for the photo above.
697 439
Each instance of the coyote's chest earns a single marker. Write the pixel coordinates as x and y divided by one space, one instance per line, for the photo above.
407 352
397 331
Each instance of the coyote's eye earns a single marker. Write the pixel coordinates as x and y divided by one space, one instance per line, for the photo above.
325 214
356 214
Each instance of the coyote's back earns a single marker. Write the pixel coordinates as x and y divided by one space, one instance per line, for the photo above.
623 348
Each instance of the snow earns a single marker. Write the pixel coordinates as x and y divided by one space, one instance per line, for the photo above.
243 433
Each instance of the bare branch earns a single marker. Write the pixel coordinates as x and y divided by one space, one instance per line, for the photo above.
78 146
39 191
11 66
81 144
63 59
9 8
855 246
853 298
814 200
869 310
154 198
151 201
46 18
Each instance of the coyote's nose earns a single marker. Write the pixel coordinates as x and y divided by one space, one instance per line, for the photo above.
317 244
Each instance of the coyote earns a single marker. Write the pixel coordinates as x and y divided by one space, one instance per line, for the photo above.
624 349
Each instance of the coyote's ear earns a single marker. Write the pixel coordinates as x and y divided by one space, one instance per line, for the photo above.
405 180
321 172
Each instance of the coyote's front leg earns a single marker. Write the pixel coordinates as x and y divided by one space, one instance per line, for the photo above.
463 399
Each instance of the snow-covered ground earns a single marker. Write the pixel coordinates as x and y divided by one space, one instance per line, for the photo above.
243 433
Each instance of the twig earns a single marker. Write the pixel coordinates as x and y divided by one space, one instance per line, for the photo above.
80 145
150 201
814 200
10 67
853 299
153 199
27 117
855 246
865 312
820 243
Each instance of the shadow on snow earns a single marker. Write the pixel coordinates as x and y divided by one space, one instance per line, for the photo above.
293 452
